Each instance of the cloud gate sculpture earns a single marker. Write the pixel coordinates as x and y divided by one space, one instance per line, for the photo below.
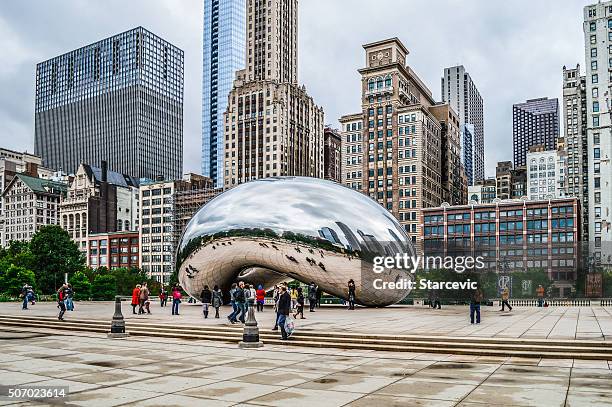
292 228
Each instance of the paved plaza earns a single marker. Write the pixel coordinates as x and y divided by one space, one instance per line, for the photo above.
588 323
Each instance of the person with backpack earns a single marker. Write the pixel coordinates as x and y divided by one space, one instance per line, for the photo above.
217 300
260 295
176 299
312 296
284 309
300 304
206 296
61 297
351 294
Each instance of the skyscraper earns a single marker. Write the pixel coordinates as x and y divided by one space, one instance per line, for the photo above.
597 46
576 143
272 126
224 45
535 122
461 92
120 100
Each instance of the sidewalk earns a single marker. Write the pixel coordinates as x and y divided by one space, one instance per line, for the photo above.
589 323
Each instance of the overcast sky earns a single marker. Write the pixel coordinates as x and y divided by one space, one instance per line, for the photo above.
514 50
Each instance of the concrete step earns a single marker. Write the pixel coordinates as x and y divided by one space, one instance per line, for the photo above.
234 335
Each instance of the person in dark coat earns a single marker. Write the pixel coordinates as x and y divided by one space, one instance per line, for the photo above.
284 308
351 294
312 296
206 297
300 304
217 300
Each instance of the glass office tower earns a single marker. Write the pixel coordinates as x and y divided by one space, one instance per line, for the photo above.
118 100
224 49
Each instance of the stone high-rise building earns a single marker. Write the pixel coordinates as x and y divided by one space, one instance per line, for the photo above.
223 55
332 155
535 122
576 142
272 126
352 151
401 138
510 182
119 99
597 46
460 91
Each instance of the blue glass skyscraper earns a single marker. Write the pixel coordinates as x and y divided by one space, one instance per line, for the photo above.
224 53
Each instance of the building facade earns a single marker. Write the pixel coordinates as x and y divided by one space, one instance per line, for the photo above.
99 201
272 127
535 122
546 172
332 155
513 236
352 151
119 99
113 250
597 27
511 183
460 91
401 137
576 142
223 55
484 192
165 209
30 203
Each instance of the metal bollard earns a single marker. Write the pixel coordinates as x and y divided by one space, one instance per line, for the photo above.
118 324
250 337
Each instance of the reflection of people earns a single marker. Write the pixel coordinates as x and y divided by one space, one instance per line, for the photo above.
505 296
540 294
475 305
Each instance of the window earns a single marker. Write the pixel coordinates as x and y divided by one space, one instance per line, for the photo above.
596 152
593 39
595 107
595 91
593 52
595 121
594 78
594 65
592 26
596 138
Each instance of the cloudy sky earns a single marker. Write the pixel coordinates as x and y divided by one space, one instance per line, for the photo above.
514 50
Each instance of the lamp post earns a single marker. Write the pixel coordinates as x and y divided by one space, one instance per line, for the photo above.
250 336
118 324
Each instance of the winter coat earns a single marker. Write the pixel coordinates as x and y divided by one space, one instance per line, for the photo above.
284 304
144 293
135 296
206 296
217 299
261 295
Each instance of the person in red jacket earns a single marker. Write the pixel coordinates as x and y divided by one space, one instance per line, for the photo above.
135 298
61 297
260 294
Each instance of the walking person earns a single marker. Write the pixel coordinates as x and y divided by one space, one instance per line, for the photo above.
436 300
69 294
284 309
351 294
25 292
300 304
217 299
294 295
232 316
135 298
312 296
144 300
61 297
206 296
505 296
475 302
240 298
260 295
163 297
540 294
276 296
176 299
247 296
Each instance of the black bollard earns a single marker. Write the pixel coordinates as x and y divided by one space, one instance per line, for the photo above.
118 324
250 337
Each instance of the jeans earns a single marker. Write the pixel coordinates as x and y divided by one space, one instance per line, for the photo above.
260 305
241 308
280 320
475 309
26 298
540 302
175 306
69 304
232 315
205 309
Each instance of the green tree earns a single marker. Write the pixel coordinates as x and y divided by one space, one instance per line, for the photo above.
81 286
14 278
54 253
104 287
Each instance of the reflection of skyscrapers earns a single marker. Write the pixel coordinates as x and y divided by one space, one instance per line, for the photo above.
329 234
371 244
352 240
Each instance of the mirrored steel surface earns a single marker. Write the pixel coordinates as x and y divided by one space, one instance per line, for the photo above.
278 229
